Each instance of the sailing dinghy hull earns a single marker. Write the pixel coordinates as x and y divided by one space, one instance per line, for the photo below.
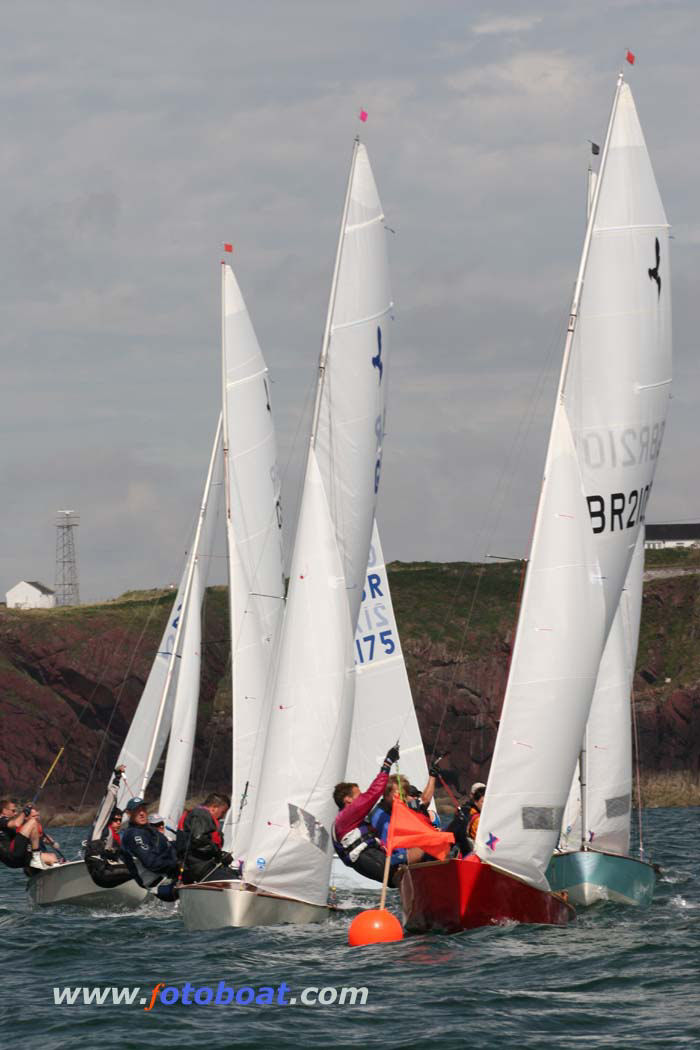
588 877
71 884
464 894
216 905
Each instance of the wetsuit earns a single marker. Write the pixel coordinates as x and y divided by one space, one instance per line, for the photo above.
356 841
104 861
150 857
199 848
102 853
15 849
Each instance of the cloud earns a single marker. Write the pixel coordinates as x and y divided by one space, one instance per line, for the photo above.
506 24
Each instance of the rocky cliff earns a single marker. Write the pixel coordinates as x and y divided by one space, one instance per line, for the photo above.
72 677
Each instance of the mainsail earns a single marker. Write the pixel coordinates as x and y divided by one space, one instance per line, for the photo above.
312 691
254 538
384 709
606 436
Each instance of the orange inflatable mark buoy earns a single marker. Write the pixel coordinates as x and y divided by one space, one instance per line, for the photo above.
374 927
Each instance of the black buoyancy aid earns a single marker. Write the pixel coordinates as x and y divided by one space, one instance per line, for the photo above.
354 842
182 837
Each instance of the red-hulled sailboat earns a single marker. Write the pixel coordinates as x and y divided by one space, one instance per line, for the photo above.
612 398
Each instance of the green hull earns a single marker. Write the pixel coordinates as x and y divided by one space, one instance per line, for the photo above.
588 877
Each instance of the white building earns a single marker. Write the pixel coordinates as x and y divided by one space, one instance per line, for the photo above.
30 595
660 537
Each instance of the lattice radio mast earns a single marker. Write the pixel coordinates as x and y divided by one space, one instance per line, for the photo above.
67 592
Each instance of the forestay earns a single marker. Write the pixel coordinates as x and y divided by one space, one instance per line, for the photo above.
312 696
384 710
607 754
606 436
254 538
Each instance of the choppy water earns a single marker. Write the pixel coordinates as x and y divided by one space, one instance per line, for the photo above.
619 977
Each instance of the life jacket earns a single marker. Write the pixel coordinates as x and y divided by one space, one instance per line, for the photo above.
355 842
182 836
473 824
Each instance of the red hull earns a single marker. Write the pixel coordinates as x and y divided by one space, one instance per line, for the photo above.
462 894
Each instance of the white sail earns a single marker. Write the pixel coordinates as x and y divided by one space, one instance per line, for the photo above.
312 696
607 753
134 752
351 419
606 436
183 727
384 710
253 528
152 719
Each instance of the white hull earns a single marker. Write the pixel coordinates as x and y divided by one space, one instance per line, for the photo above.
215 905
344 878
71 884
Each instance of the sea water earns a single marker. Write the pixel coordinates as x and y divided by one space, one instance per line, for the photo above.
617 977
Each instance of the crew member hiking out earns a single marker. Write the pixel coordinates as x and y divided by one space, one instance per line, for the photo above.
103 857
149 855
355 840
199 842
20 837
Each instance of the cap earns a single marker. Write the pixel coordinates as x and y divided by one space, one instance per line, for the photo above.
134 803
155 818
475 787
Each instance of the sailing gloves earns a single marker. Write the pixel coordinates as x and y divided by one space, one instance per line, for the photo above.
392 756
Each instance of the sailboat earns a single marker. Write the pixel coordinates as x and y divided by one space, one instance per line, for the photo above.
384 707
168 705
303 751
604 443
593 862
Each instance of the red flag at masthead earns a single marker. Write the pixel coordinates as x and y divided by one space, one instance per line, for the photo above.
630 57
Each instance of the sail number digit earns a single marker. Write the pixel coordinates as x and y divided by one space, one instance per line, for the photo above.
621 511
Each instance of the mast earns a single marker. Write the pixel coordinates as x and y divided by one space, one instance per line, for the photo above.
194 556
325 342
578 287
227 496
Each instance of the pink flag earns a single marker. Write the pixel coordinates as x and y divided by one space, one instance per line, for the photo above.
630 58
363 115
228 247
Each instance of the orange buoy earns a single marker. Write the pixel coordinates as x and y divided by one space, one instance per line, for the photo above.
374 927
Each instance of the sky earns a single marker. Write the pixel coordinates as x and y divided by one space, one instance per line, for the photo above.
137 138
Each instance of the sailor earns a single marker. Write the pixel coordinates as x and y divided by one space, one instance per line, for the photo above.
380 817
200 843
356 842
20 837
465 823
103 850
149 855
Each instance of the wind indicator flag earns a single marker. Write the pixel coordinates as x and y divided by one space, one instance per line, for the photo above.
630 57
228 247
363 116
595 148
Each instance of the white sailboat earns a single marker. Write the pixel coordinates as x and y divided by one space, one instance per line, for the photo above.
593 861
383 702
604 444
311 688
169 698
